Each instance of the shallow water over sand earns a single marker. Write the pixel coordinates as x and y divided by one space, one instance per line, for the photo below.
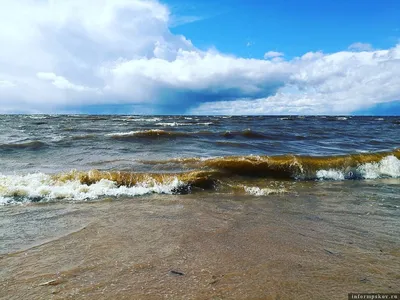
320 241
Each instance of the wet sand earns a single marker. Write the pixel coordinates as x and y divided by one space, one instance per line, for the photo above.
225 247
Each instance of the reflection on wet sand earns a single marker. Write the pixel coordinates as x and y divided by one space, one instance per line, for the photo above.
212 247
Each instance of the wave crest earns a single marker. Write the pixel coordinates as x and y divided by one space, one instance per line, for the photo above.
146 134
77 187
207 175
352 166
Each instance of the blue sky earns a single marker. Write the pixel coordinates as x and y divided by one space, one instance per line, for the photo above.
200 57
292 26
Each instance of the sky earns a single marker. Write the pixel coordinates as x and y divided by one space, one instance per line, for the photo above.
200 57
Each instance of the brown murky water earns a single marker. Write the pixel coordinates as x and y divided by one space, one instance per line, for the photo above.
317 243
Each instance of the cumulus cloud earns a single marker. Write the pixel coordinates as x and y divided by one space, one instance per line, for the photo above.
61 83
272 54
58 55
338 83
360 47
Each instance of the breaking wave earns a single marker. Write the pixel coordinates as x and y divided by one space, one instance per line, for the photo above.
42 187
201 174
388 167
353 166
356 166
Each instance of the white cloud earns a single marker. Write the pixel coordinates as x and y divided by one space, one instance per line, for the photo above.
6 84
61 83
176 21
361 47
337 83
273 54
63 54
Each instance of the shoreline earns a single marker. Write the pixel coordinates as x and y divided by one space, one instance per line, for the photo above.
226 247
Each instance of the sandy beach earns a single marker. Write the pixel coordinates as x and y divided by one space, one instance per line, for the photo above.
208 247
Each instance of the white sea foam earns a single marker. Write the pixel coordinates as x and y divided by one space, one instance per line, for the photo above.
256 191
146 120
330 174
37 117
130 119
133 133
39 186
388 167
115 134
173 124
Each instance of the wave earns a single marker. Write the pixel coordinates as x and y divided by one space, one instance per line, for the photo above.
352 166
152 133
94 184
132 119
96 118
248 133
204 123
172 124
158 133
387 167
175 124
83 137
37 117
355 166
29 145
77 187
206 174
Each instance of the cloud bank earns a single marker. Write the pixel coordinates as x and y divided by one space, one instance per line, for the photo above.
65 55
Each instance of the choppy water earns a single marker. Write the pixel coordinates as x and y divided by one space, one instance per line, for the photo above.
75 157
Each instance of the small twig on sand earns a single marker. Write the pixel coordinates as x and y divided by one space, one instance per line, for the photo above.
51 282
